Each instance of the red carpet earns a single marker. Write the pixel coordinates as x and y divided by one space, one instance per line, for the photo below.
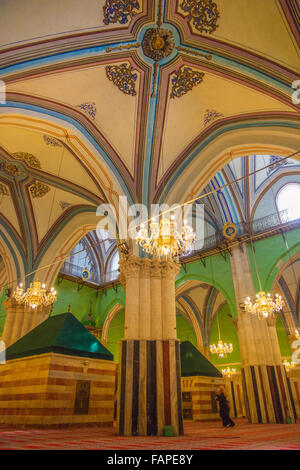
198 436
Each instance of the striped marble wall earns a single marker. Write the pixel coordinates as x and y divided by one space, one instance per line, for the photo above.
268 397
198 398
294 385
149 391
234 392
57 390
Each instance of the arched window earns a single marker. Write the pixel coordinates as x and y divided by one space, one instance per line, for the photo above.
288 202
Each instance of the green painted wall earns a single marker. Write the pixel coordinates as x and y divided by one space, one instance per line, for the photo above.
185 331
2 311
115 334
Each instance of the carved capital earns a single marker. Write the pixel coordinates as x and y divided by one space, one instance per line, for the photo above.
145 268
130 267
169 269
155 270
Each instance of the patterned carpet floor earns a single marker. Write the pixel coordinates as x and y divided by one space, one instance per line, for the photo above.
198 436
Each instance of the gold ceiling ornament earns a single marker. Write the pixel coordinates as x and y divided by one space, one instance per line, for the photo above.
35 296
264 306
184 80
164 239
3 190
39 189
157 43
289 365
229 231
228 372
221 349
28 158
203 14
11 169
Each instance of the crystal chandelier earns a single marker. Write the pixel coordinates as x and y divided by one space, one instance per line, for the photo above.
228 372
289 365
164 239
222 349
264 306
35 296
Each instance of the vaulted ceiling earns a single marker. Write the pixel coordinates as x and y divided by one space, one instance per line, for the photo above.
143 98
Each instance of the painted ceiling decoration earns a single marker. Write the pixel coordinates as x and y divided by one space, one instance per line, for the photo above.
51 141
120 11
89 109
203 14
3 190
28 158
123 77
39 189
158 43
200 96
184 80
210 116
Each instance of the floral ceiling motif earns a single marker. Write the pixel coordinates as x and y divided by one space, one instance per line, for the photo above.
28 158
203 14
184 80
157 43
51 141
39 189
211 115
119 11
276 162
89 109
123 77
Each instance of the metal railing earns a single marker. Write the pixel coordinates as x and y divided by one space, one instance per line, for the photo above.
261 225
95 277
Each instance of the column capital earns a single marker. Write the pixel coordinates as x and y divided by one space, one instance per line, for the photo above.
130 267
169 268
155 269
145 268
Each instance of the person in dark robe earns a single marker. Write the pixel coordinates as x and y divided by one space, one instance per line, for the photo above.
224 408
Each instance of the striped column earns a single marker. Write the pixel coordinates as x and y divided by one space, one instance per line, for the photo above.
149 388
267 395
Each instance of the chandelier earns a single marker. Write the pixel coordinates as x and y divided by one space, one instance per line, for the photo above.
228 372
164 239
222 349
35 296
289 365
264 306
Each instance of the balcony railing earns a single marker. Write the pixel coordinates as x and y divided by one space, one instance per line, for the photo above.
261 225
95 278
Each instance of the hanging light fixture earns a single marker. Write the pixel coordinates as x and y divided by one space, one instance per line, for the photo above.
264 306
222 349
35 296
228 372
289 365
164 239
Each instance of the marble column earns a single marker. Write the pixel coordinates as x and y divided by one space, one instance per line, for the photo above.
266 390
21 319
149 388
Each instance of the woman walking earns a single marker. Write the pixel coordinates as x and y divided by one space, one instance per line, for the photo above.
224 408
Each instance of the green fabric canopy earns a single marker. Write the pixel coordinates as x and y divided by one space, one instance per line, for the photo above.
62 334
194 363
